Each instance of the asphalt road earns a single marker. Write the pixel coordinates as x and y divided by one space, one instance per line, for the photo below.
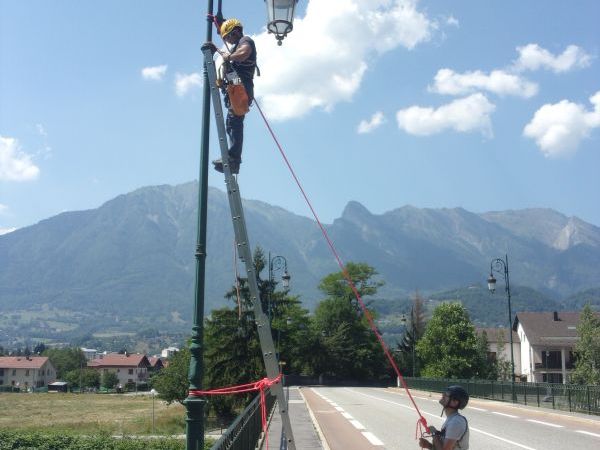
371 418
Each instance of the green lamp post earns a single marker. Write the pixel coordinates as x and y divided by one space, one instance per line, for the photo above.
500 266
281 15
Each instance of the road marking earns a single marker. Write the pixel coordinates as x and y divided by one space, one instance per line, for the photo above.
505 415
422 398
357 425
501 439
471 428
545 423
588 433
340 409
334 404
347 416
372 438
477 409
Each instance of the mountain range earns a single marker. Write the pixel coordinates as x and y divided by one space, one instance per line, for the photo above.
134 255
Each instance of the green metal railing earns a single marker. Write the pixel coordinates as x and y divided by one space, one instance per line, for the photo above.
245 431
566 397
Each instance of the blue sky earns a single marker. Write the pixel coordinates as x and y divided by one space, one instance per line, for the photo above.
482 105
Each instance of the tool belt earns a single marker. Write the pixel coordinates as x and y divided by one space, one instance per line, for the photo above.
238 97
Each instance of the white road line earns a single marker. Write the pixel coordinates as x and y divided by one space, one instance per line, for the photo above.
588 433
505 415
545 423
339 408
334 404
501 439
372 438
477 409
422 398
347 416
357 425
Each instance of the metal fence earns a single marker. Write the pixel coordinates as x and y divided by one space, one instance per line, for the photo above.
245 431
566 397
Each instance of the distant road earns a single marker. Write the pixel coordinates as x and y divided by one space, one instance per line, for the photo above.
372 418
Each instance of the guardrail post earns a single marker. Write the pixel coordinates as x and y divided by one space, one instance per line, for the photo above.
537 391
587 394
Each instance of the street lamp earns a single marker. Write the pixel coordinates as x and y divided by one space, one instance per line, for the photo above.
153 394
500 266
195 405
275 264
280 16
414 336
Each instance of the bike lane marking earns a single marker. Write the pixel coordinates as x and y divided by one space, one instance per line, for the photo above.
339 432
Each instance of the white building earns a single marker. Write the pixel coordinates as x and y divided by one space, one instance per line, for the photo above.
128 368
26 372
169 352
547 343
89 353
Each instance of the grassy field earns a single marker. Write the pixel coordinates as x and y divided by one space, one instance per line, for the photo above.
116 414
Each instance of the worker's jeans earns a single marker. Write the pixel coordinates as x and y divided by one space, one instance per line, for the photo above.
235 131
235 125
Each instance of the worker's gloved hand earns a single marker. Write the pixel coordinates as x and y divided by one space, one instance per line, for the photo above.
432 430
210 45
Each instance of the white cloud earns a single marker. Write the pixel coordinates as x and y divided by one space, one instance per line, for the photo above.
41 130
184 83
453 21
467 114
497 81
155 73
559 128
375 122
15 165
323 61
3 208
534 57
6 230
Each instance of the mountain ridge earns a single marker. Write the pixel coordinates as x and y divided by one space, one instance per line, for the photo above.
136 251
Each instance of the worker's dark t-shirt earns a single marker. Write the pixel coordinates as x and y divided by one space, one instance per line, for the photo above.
245 69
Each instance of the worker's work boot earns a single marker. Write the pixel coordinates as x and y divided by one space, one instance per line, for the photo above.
234 165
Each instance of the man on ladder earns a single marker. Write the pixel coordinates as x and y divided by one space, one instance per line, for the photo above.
237 86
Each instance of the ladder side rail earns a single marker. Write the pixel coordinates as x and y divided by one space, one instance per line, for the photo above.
239 224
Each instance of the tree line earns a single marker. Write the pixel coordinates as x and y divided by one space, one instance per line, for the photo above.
335 342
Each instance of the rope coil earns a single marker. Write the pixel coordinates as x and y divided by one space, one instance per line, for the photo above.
260 385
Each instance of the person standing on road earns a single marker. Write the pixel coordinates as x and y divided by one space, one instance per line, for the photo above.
455 430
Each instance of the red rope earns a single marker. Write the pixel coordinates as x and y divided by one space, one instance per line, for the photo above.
260 385
345 273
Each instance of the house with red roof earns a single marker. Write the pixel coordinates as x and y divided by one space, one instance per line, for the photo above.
130 369
26 372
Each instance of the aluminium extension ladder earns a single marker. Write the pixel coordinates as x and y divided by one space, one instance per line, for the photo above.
243 246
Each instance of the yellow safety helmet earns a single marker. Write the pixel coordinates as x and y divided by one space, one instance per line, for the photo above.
229 25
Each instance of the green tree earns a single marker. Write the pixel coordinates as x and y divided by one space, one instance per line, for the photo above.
110 380
484 368
65 360
405 354
349 348
502 364
172 381
83 378
448 348
587 349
